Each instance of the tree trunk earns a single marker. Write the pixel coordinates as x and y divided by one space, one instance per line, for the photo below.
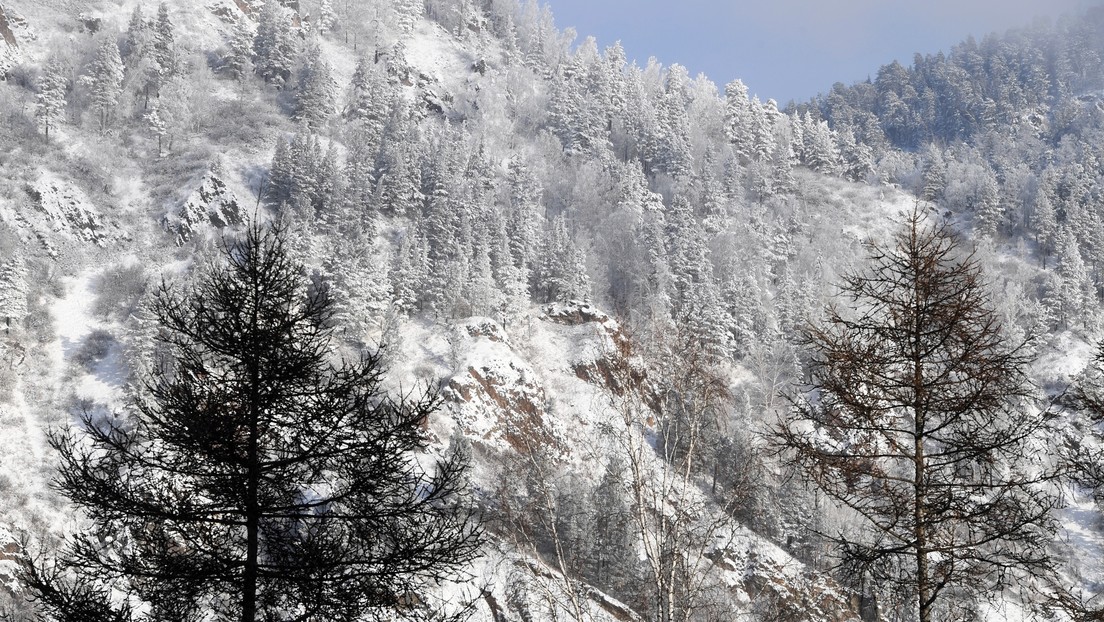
923 589
249 575
253 476
919 413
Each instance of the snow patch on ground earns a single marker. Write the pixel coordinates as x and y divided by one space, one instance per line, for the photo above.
1065 357
103 384
436 53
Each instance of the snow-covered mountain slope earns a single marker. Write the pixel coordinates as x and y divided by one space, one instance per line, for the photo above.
529 227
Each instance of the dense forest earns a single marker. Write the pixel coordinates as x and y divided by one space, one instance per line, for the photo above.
635 346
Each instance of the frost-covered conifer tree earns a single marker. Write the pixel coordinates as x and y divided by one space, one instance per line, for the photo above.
409 272
512 280
525 215
739 119
987 204
1045 224
50 99
612 562
482 292
314 94
934 176
674 157
279 185
327 19
370 96
155 125
762 128
561 274
237 62
274 45
104 79
13 292
164 51
359 176
329 186
697 302
136 39
399 172
1074 296
304 156
819 146
857 158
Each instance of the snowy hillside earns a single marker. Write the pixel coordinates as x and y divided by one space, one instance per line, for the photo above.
607 272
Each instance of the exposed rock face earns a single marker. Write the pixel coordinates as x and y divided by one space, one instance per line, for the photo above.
541 386
233 11
10 553
56 210
498 396
9 44
6 31
212 205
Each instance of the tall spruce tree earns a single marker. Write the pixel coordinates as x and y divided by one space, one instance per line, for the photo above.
50 99
253 478
314 95
105 80
274 45
164 52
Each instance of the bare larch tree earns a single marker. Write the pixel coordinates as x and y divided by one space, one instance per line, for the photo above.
921 420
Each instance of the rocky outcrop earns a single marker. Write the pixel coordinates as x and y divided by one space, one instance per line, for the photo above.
5 30
59 211
10 554
213 205
13 28
497 396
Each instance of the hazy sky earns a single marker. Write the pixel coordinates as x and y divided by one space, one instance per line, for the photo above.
793 49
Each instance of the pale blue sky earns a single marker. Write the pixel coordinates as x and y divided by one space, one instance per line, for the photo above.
793 49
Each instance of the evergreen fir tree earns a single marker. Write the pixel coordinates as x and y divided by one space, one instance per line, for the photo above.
819 146
934 176
274 45
105 80
136 38
739 120
857 158
50 99
1045 224
327 19
155 125
409 272
13 292
561 275
1074 296
237 62
314 95
256 476
164 52
280 183
612 561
